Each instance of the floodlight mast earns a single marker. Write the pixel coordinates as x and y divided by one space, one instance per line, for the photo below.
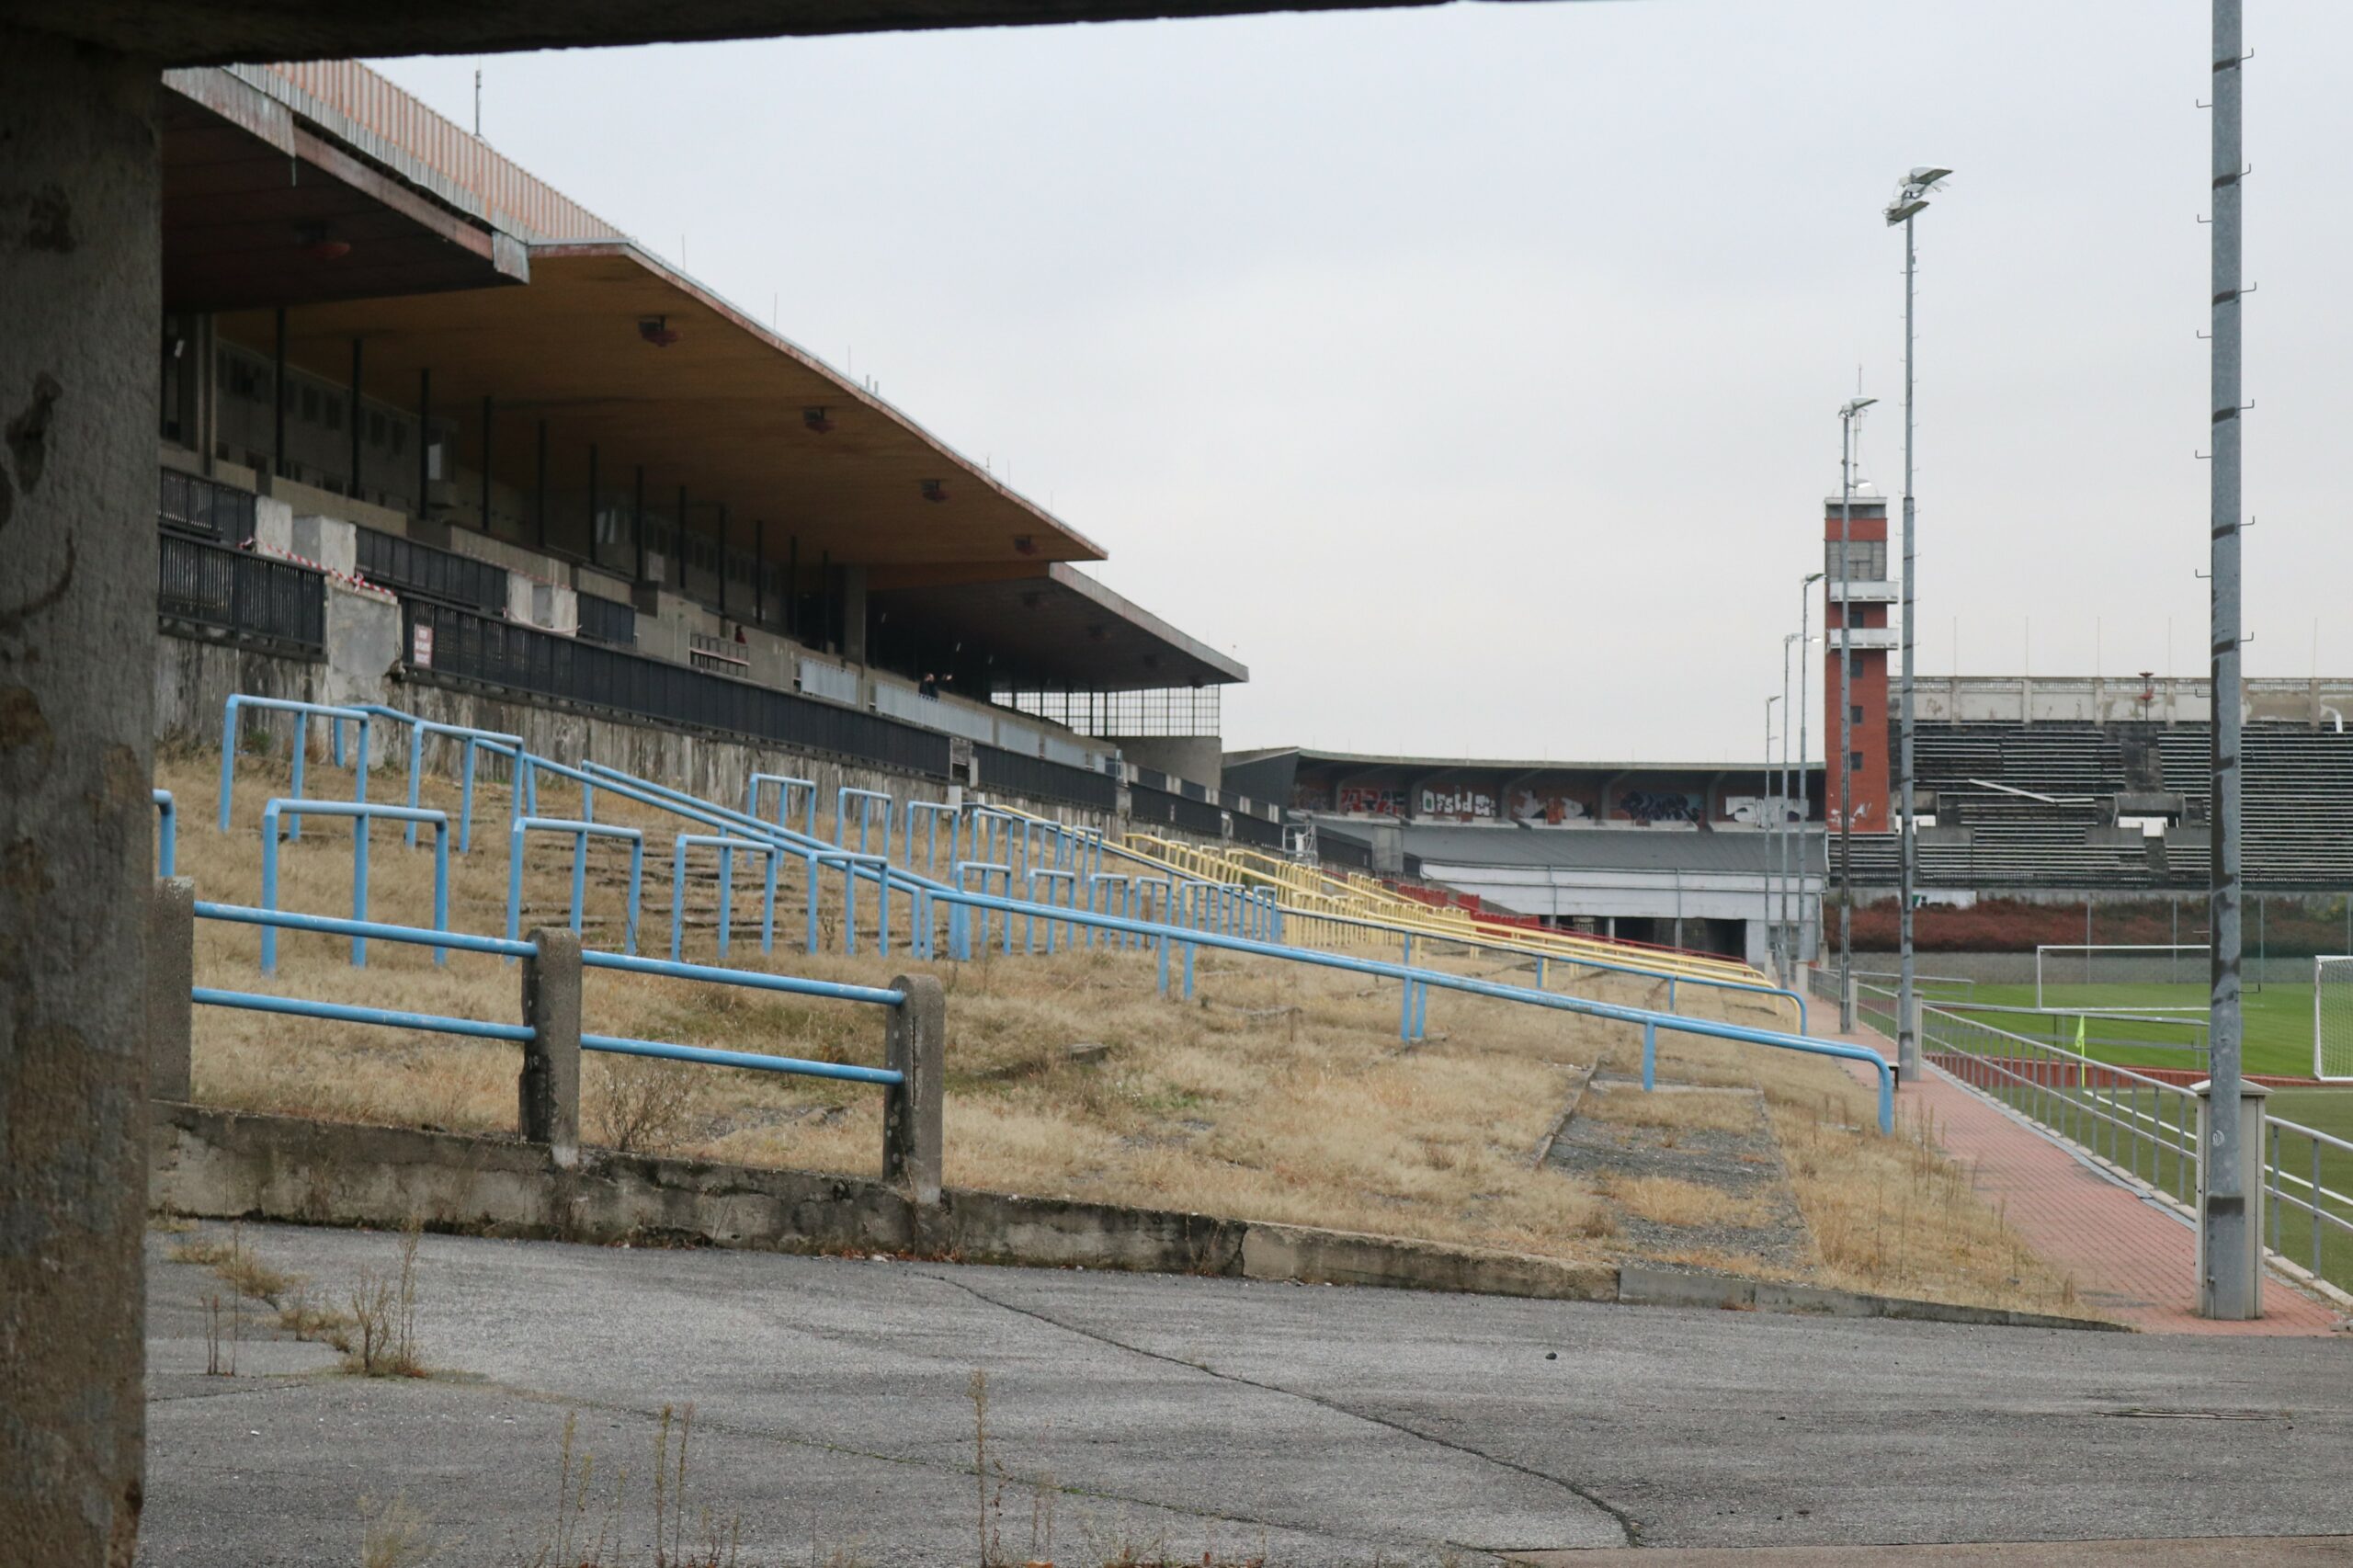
1847 414
1911 200
2230 1282
1806 788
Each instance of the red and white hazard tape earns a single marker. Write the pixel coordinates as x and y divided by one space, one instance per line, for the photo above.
351 580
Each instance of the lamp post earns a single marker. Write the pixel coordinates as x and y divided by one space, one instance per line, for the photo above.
1767 779
1806 788
1777 795
2229 1284
1911 200
1847 413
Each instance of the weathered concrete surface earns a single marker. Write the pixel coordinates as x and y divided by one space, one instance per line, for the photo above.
831 1399
80 249
225 1164
2235 1551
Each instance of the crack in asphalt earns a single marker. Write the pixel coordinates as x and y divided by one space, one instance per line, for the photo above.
1627 1524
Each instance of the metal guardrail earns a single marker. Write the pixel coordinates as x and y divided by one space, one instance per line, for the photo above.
191 504
1039 780
167 835
524 658
272 920
258 596
2145 1127
608 620
239 702
424 571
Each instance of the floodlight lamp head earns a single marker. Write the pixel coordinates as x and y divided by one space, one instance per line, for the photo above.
1927 179
1855 408
1814 577
1904 209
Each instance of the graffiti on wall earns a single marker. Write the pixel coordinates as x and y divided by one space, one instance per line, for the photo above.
1649 806
1547 811
1460 801
1758 809
1369 801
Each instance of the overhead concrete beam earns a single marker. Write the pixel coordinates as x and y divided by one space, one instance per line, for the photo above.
181 34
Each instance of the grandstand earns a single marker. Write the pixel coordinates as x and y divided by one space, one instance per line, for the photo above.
432 430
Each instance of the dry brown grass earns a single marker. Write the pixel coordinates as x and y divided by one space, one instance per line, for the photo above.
1282 1095
1665 1201
1696 1111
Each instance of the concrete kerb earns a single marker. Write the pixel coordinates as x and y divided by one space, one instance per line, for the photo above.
231 1165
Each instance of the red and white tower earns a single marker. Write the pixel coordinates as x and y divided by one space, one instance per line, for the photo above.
1856 597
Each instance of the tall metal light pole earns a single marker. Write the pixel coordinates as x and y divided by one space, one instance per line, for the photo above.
2228 1284
1770 957
1779 913
1805 788
1844 642
1911 200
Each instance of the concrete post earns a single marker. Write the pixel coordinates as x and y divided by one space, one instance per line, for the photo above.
171 975
80 255
2214 1282
549 1086
915 1043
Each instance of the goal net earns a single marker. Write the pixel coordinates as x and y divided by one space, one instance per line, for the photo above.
2108 978
2332 1020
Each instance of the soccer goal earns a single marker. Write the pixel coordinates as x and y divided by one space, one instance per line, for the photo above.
2332 1020
2121 978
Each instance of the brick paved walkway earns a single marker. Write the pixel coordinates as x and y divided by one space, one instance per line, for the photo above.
2132 1259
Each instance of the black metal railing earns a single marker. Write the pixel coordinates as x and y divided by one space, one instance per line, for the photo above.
1155 807
524 658
1256 832
255 597
191 505
424 571
608 620
1014 774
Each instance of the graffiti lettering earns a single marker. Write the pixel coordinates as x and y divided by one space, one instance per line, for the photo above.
1363 800
1648 806
1456 802
1759 809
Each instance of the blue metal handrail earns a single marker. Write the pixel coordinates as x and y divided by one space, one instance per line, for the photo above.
363 811
582 832
167 835
726 844
1411 978
865 799
469 739
436 1023
336 925
786 783
750 979
301 712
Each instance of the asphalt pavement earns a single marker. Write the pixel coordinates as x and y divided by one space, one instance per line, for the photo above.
1168 1417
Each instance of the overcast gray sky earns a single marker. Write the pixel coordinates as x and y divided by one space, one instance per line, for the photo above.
1473 372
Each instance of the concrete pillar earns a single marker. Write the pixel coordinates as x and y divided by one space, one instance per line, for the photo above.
548 1087
171 974
2252 1141
916 1044
80 255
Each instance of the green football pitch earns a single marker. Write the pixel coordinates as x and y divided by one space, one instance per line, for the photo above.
2279 1022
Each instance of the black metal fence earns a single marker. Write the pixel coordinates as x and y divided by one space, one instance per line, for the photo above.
1256 832
608 620
194 506
409 569
1151 807
524 658
1016 774
254 595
